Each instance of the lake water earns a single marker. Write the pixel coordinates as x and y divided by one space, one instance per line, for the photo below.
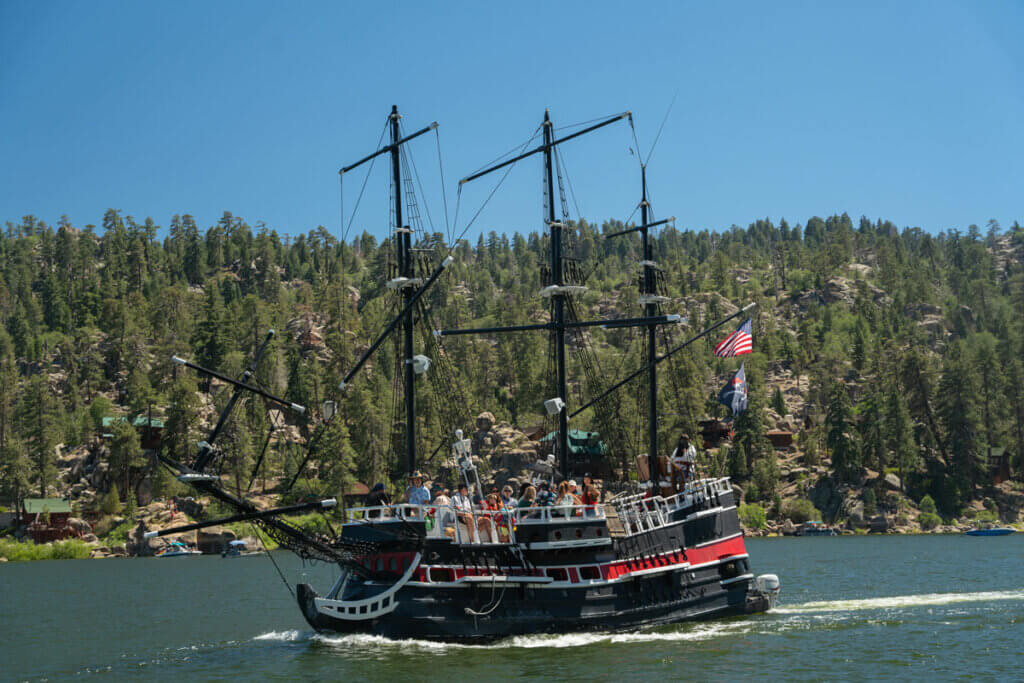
894 607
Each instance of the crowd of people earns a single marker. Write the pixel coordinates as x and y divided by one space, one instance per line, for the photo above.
485 515
492 513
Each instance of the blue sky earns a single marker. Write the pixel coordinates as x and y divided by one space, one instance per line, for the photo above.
909 111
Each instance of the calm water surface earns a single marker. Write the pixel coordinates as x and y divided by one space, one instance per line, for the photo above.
852 608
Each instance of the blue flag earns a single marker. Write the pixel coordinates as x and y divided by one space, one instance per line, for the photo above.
734 394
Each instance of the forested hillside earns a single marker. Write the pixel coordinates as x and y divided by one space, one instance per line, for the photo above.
883 350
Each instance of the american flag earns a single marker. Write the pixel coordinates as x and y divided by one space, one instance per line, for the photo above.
737 343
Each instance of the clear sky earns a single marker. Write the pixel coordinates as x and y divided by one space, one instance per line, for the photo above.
910 111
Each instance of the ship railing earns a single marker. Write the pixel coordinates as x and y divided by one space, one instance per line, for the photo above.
381 513
443 521
558 513
698 492
640 512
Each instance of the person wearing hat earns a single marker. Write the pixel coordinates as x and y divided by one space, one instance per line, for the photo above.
377 497
684 462
417 493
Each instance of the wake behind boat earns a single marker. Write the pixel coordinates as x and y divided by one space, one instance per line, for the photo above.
668 548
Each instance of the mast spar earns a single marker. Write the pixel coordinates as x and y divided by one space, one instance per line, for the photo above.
405 280
557 289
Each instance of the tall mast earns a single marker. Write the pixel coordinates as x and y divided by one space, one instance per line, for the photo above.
558 297
650 309
403 237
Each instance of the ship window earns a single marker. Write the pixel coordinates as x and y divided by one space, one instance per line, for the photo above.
439 574
351 610
380 564
385 602
362 609
373 607
558 574
579 533
590 573
394 564
598 531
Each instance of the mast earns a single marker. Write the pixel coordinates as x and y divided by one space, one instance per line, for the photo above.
650 309
557 289
403 235
409 285
557 297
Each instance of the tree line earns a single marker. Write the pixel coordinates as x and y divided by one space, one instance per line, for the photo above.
913 365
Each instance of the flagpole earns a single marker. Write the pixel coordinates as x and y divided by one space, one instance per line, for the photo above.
657 360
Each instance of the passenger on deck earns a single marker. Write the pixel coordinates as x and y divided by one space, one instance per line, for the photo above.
417 493
565 498
463 508
529 497
377 497
507 501
489 518
440 496
442 506
574 491
545 498
591 497
684 461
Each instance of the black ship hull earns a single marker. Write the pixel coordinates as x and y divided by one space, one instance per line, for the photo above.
447 592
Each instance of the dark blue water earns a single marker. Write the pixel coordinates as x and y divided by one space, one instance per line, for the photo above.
894 607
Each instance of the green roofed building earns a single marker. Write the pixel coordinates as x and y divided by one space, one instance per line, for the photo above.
35 506
581 443
150 429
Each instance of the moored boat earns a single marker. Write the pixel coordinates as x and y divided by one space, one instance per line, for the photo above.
993 531
177 549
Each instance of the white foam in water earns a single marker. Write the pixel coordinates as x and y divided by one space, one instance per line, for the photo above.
364 642
898 601
283 636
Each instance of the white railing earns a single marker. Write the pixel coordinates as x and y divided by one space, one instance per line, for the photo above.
474 526
558 513
639 513
444 521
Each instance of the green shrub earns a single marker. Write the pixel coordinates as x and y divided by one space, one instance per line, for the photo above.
929 520
119 534
753 516
800 510
61 550
111 502
870 502
927 505
986 516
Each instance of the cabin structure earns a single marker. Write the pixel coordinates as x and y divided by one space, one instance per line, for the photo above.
713 432
150 429
46 519
999 465
355 493
780 439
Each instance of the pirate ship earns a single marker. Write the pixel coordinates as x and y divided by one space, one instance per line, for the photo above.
650 555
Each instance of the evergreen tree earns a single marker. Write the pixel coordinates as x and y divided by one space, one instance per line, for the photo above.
840 433
899 438
37 415
210 339
957 413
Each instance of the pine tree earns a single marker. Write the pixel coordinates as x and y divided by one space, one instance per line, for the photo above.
840 434
210 339
899 438
37 415
779 402
958 416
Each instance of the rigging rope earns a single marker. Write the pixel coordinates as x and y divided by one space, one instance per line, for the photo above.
366 178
